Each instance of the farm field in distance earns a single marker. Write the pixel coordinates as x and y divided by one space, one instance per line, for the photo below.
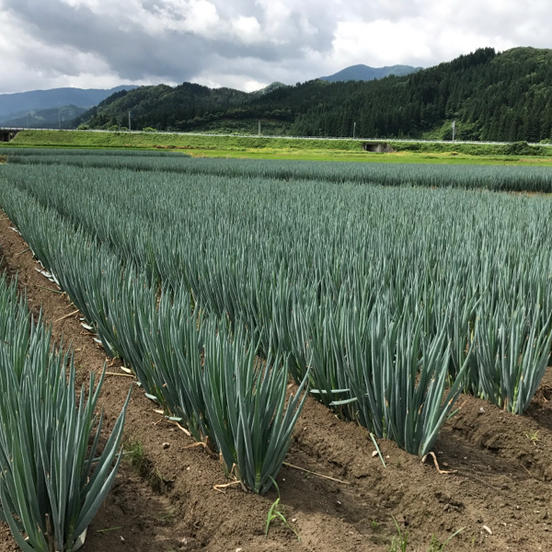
286 148
408 305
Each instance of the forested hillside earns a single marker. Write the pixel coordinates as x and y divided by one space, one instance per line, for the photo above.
491 96
165 108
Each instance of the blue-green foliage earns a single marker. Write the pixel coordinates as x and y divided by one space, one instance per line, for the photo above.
54 477
498 178
391 300
152 326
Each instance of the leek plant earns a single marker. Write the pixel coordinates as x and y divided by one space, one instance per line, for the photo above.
55 470
247 408
398 379
321 329
174 341
512 354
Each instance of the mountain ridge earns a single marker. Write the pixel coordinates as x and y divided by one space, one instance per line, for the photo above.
17 104
361 72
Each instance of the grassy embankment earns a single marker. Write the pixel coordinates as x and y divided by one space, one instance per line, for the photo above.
291 148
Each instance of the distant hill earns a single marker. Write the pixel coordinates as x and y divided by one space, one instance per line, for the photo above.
164 107
505 96
57 117
367 73
19 104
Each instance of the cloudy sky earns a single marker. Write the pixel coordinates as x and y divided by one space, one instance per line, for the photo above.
246 44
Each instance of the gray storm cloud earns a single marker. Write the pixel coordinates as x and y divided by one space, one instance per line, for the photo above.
244 44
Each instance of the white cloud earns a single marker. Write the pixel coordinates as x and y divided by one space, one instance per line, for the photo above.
92 4
231 81
247 29
375 42
414 41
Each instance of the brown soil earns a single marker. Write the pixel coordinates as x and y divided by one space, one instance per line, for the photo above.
499 494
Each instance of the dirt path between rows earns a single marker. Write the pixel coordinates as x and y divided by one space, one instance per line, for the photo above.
499 494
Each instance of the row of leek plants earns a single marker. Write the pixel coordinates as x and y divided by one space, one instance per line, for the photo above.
498 178
205 379
237 288
311 338
304 326
205 374
56 470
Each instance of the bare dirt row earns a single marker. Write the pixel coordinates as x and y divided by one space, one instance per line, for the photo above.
164 499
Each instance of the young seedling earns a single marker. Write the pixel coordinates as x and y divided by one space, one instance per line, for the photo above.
274 512
533 436
437 546
400 541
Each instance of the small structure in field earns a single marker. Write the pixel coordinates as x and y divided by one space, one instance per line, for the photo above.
377 147
7 134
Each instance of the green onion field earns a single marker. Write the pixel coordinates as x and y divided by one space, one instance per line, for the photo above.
238 292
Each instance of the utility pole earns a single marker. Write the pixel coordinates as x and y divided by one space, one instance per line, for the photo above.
354 129
129 122
60 116
453 130
259 128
